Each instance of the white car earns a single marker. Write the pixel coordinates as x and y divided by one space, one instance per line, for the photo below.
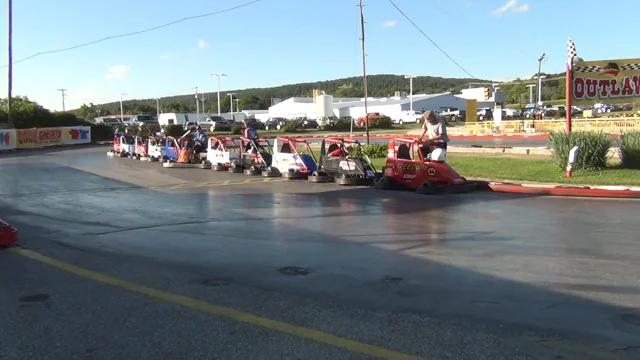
409 117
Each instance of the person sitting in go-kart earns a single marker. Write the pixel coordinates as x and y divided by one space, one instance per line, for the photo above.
200 141
436 129
341 153
251 134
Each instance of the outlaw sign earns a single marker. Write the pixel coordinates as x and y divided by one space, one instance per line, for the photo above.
607 81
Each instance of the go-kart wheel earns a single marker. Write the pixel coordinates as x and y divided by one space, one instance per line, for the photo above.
122 154
219 167
292 174
153 159
383 183
205 165
271 172
236 169
252 171
320 177
429 188
345 180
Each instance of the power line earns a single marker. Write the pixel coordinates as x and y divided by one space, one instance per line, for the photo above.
428 38
135 32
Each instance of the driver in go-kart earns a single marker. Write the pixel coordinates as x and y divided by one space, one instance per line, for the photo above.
251 134
341 153
436 129
201 140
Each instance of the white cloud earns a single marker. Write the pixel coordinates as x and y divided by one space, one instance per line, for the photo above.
166 56
118 72
202 44
511 6
389 23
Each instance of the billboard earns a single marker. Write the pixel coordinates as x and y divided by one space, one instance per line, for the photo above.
606 81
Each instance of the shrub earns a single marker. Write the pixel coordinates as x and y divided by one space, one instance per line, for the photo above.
289 127
335 124
630 150
382 122
372 150
236 129
174 130
102 132
594 148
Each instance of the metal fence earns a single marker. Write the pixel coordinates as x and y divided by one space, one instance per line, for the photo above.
609 125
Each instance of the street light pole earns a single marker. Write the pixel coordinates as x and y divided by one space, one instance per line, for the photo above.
531 98
218 76
231 101
410 77
10 67
157 107
237 104
121 108
542 58
197 105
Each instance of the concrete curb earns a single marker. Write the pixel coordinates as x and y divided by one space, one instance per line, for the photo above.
563 190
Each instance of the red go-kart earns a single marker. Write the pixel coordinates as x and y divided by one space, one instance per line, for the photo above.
409 167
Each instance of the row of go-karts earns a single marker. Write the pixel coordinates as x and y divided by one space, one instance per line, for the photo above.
407 167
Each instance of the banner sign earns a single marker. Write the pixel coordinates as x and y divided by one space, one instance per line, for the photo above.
76 135
49 136
606 81
7 139
27 138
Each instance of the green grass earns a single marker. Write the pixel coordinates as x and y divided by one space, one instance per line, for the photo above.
535 170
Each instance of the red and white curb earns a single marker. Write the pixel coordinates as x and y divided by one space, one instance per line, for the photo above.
607 191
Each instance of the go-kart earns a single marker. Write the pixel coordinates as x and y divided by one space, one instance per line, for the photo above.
256 156
346 168
156 149
123 145
187 158
222 153
409 168
292 159
141 145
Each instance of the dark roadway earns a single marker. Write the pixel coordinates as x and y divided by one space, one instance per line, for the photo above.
477 276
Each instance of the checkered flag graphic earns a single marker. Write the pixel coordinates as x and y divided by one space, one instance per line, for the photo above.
630 67
572 53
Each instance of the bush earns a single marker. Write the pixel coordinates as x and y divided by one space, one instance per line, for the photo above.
335 124
289 127
102 132
382 122
374 151
237 129
594 148
630 150
174 130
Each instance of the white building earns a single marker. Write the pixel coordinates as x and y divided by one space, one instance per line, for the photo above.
354 107
495 97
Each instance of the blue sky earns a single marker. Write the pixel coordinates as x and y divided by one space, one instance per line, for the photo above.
275 42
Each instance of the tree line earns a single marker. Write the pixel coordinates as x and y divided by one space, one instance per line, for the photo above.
260 98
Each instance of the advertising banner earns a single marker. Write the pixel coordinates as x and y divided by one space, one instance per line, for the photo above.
27 138
606 81
76 135
49 136
8 139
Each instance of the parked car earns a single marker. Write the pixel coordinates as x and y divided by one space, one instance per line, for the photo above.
275 123
305 123
409 117
452 114
138 120
256 124
216 123
371 116
485 114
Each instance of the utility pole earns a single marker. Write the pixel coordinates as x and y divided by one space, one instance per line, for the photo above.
202 99
197 105
231 101
63 96
121 108
237 104
218 76
364 74
410 77
542 58
10 67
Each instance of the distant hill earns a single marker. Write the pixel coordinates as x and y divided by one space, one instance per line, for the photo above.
260 98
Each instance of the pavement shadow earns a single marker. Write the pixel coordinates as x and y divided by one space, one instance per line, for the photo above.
450 257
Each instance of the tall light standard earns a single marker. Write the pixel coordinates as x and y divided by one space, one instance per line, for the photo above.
121 108
218 76
542 58
540 77
231 101
157 106
531 86
410 77
237 104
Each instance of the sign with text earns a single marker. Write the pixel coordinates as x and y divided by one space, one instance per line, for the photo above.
7 139
607 81
76 135
27 138
49 136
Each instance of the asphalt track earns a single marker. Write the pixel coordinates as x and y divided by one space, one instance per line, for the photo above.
124 259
